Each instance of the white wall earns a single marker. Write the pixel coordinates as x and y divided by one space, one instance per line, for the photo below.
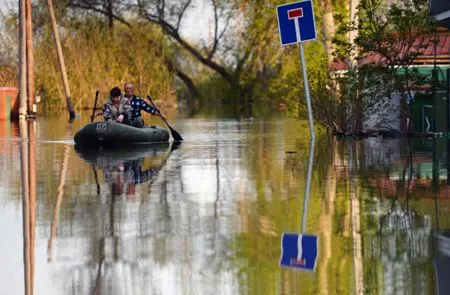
384 114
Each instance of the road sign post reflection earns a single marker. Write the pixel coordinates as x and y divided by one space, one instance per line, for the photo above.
299 250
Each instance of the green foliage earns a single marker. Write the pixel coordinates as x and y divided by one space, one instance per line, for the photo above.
100 59
287 88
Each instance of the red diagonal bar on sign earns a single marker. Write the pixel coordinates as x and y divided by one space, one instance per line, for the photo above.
294 13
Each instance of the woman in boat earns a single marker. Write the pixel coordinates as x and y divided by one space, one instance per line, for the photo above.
117 108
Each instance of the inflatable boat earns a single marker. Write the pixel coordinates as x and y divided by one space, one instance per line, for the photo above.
111 134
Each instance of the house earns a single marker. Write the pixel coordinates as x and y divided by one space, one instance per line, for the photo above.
428 104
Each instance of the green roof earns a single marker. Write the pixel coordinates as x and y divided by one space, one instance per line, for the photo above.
427 71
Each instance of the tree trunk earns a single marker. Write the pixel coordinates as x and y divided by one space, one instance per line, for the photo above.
109 7
353 34
329 28
183 77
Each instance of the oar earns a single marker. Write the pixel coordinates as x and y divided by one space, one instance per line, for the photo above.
95 106
176 136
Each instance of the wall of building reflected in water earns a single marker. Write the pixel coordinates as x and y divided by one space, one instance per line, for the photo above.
207 216
409 211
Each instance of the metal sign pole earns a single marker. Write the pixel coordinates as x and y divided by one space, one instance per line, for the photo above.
306 84
300 250
311 126
308 97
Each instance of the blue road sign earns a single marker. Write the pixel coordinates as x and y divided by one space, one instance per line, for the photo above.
299 251
296 22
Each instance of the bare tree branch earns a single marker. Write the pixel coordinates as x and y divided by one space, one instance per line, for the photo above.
180 17
172 32
216 27
92 7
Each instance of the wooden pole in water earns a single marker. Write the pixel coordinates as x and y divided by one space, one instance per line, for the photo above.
28 184
30 60
22 61
32 195
25 204
62 64
59 198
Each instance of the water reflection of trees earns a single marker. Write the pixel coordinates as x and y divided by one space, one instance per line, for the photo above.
114 246
213 219
161 241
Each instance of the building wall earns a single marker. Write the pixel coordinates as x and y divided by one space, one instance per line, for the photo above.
382 113
9 103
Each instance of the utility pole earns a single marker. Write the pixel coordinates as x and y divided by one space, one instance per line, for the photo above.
30 60
22 61
62 65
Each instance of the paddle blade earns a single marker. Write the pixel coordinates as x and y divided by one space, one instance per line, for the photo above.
176 136
95 106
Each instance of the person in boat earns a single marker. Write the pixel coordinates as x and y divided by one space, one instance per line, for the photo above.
117 108
125 175
138 104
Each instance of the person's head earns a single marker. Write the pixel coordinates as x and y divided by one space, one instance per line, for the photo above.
115 95
129 89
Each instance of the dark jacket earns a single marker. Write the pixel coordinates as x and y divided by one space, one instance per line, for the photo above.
110 112
138 105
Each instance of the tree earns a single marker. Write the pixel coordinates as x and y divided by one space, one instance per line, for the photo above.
168 15
328 27
241 31
389 41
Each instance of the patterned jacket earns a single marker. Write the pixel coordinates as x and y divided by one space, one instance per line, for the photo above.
138 105
110 112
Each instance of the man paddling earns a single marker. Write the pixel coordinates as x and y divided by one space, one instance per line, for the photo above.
138 105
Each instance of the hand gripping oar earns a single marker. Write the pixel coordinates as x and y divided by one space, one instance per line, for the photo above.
95 106
176 136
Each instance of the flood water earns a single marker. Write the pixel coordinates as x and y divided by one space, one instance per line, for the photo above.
208 216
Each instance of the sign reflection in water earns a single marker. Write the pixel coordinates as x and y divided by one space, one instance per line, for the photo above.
301 250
